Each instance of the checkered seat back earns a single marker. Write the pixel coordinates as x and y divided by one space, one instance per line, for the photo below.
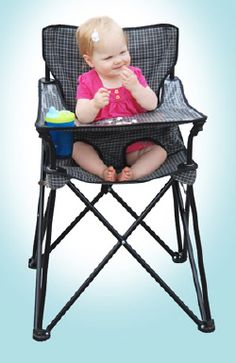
153 48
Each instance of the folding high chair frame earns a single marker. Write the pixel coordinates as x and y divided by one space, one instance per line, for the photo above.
111 138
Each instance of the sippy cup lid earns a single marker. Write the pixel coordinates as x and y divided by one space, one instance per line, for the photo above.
55 116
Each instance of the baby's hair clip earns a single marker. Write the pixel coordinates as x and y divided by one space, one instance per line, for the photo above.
95 36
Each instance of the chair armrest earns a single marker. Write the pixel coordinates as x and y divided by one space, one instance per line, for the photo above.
49 94
161 125
174 101
174 105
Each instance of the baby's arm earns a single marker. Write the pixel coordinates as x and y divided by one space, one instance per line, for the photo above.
87 110
145 96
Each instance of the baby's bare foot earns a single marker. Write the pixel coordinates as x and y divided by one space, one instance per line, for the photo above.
125 175
109 174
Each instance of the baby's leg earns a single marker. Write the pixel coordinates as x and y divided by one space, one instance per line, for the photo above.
87 158
143 162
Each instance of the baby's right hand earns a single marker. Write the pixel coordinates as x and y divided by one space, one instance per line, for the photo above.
101 98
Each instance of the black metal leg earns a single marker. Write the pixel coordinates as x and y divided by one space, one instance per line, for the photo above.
181 255
32 261
187 214
43 225
142 223
42 267
41 217
207 324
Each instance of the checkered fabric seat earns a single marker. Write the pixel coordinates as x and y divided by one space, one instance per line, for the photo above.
154 49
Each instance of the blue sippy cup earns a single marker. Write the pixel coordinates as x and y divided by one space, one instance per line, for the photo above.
62 140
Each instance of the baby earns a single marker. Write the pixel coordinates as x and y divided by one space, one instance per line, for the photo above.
112 88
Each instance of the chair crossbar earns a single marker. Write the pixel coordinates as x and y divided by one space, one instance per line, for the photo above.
84 286
142 223
76 221
32 261
138 219
149 207
162 283
95 211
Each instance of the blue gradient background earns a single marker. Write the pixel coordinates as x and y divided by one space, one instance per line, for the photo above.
124 316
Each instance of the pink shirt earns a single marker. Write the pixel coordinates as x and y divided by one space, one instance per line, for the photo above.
121 102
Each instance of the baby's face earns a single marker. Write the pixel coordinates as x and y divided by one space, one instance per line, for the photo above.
110 55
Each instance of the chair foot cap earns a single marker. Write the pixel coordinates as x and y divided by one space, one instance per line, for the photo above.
207 326
41 334
32 263
179 257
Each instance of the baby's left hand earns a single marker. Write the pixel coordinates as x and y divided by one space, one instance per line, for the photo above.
129 79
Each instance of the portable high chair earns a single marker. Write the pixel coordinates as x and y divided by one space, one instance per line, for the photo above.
154 49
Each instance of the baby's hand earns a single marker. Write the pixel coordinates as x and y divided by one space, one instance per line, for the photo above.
129 79
101 98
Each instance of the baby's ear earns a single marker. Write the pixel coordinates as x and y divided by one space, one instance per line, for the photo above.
88 60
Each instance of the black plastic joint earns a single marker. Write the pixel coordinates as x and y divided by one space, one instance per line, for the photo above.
105 188
50 170
32 263
187 166
196 128
41 335
179 257
47 81
207 326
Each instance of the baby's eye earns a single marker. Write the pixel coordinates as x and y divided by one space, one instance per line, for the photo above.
108 58
123 52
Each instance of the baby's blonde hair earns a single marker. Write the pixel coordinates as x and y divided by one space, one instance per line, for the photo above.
84 33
